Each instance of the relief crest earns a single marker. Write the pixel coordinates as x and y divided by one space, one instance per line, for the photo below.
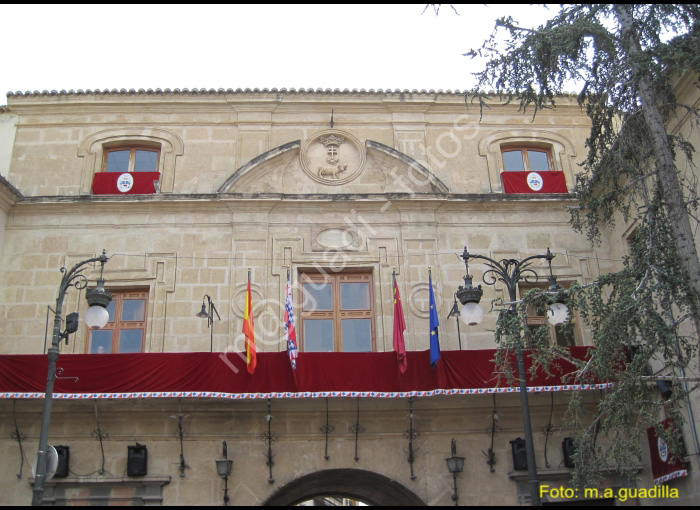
332 157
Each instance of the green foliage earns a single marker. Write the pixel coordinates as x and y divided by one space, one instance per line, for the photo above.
636 316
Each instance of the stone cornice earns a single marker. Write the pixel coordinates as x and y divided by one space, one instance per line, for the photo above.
242 198
9 195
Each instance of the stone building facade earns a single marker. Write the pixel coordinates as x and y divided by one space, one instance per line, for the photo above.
325 184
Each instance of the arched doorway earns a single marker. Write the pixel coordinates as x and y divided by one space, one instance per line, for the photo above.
365 486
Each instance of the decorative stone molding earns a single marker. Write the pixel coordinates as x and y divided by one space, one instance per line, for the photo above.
563 151
332 157
334 238
255 162
419 176
395 171
92 149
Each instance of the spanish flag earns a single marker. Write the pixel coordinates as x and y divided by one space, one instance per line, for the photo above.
249 330
399 328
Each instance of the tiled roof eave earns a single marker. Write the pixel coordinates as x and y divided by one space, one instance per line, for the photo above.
239 91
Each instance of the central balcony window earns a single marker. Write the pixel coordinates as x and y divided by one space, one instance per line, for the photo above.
337 313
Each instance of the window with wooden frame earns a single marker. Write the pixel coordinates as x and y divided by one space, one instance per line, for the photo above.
526 159
337 312
564 335
131 159
126 329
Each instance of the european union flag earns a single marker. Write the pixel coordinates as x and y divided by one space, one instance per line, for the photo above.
434 323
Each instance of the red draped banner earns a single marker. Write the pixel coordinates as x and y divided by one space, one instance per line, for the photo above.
107 183
216 375
534 182
664 466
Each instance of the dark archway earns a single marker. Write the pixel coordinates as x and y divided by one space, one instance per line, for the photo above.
366 486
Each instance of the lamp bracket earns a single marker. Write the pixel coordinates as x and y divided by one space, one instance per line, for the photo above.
59 371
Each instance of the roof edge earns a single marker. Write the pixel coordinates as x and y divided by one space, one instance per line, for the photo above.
239 91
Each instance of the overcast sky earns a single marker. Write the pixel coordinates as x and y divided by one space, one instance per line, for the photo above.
55 47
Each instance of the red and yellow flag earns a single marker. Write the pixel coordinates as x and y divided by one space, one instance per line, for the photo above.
249 331
399 328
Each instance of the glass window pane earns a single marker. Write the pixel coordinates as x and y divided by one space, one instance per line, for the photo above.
100 341
110 310
130 340
132 309
538 160
318 296
354 296
513 161
357 336
146 161
318 335
118 161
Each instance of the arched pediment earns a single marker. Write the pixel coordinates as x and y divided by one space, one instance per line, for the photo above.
283 170
398 164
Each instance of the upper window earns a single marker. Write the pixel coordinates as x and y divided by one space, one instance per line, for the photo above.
563 335
526 159
131 159
126 328
337 313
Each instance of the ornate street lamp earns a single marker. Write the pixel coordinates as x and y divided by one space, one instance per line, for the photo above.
223 468
209 315
96 316
510 272
455 465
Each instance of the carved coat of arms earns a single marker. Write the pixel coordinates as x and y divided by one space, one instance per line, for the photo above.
333 158
332 144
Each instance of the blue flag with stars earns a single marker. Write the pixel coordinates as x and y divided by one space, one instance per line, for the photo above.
434 323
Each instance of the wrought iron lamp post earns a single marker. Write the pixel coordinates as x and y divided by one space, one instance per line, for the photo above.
209 315
223 467
455 465
510 272
96 316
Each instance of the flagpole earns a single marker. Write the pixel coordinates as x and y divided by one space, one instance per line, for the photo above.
459 335
434 323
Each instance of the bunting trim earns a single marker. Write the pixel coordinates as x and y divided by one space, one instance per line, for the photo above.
310 394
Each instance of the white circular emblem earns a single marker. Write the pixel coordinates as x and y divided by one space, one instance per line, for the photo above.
663 449
534 181
125 182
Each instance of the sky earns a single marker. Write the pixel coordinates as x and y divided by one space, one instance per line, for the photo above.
63 47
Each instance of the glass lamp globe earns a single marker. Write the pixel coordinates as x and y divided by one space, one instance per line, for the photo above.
97 317
472 314
557 313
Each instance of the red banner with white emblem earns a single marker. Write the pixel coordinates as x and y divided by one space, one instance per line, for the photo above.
534 182
662 467
130 183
